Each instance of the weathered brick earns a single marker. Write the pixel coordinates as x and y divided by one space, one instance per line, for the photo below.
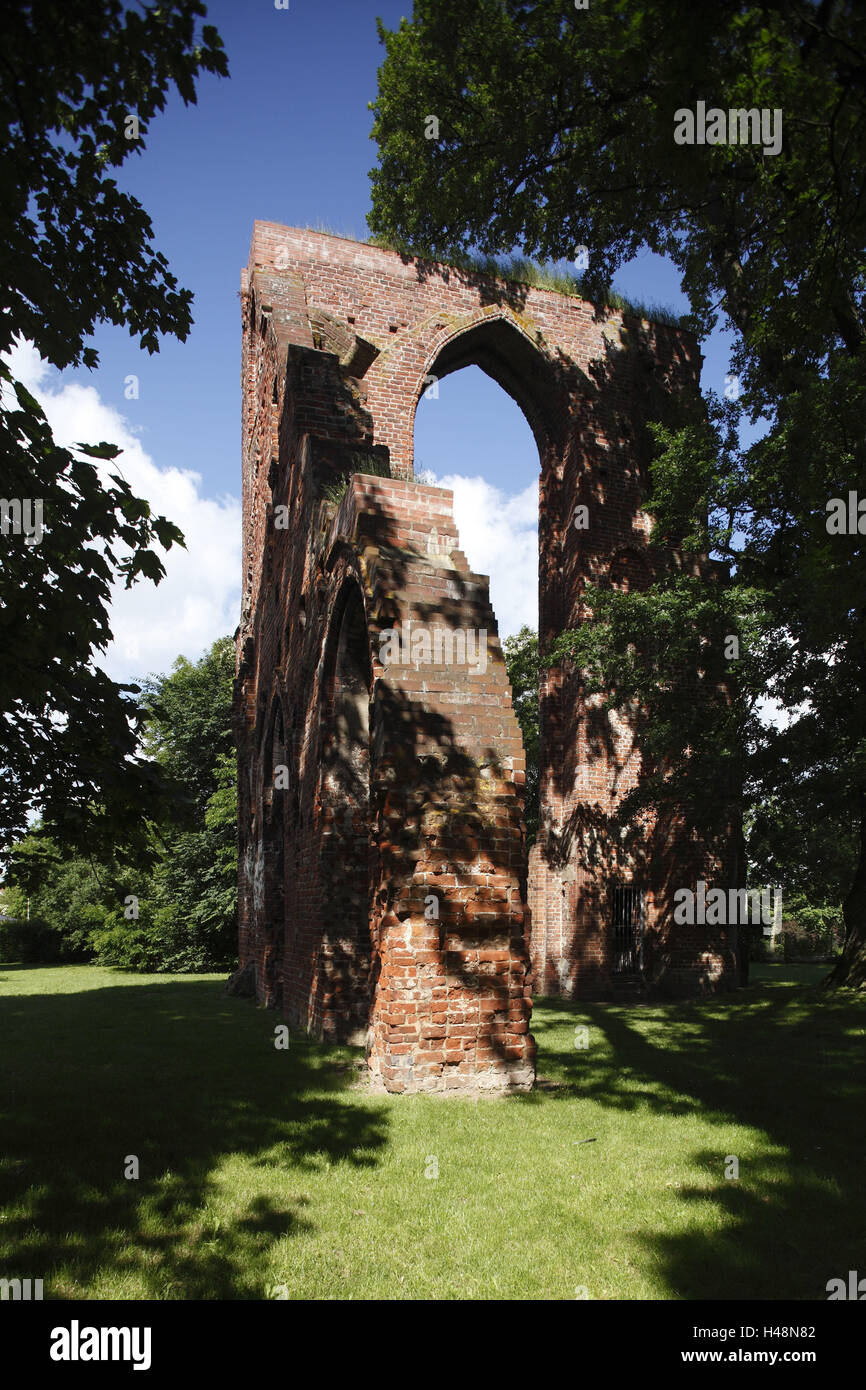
376 810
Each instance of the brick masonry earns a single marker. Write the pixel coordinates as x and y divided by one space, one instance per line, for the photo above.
383 893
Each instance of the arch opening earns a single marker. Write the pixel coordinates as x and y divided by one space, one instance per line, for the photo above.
505 354
344 975
271 921
475 438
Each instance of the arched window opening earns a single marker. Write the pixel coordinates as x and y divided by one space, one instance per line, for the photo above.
345 811
630 572
472 437
275 790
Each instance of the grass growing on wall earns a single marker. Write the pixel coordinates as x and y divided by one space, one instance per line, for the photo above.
520 270
359 463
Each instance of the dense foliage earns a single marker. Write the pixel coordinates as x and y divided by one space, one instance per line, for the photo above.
180 913
80 81
521 662
554 129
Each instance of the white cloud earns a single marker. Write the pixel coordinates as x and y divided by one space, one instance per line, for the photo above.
199 598
499 537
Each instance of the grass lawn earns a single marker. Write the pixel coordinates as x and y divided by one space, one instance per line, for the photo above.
261 1167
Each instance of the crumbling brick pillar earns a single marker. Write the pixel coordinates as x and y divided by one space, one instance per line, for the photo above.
451 1008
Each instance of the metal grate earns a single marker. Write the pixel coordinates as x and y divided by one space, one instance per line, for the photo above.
627 929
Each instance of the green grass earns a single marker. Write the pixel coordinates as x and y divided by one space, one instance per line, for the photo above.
262 1167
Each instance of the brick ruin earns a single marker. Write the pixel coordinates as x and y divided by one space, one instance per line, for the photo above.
385 894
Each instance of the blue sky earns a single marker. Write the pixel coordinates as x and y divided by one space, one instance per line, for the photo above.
285 138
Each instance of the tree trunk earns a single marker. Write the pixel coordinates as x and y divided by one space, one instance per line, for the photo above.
850 971
737 879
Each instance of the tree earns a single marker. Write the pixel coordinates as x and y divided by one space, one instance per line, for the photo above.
195 883
807 847
180 913
73 899
556 129
188 716
80 82
522 664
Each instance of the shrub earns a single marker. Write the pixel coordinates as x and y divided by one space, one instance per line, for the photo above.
808 932
34 943
130 947
806 940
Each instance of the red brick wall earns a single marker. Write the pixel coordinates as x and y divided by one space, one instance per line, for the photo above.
413 788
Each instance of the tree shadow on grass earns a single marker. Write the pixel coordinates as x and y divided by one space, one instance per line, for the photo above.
190 1082
785 1061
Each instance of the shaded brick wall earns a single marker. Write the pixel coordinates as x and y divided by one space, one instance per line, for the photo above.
383 887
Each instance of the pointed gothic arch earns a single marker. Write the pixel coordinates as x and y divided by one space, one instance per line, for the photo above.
497 344
344 967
